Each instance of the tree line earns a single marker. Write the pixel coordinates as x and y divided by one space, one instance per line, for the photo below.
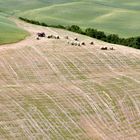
111 38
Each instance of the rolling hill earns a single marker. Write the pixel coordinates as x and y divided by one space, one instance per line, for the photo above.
114 16
55 89
121 17
51 90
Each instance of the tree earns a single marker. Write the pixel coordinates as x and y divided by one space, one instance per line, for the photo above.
138 42
113 38
75 28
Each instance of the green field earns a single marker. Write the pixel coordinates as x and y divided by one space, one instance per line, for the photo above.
114 16
121 17
9 32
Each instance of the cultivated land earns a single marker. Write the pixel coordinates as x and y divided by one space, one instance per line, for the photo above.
9 32
113 16
50 90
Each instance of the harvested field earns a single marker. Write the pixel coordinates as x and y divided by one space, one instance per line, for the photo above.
50 90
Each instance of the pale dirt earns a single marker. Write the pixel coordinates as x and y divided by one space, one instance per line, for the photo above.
52 90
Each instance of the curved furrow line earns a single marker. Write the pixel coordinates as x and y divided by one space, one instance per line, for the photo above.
123 107
60 63
82 108
27 116
54 68
61 107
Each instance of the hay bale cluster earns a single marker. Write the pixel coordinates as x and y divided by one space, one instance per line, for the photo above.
53 37
75 41
106 48
42 34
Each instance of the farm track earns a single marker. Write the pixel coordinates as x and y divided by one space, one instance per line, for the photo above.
50 90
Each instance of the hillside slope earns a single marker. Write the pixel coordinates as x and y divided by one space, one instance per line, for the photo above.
9 32
118 17
113 16
52 90
16 6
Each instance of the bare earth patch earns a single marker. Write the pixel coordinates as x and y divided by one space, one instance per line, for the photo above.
51 90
